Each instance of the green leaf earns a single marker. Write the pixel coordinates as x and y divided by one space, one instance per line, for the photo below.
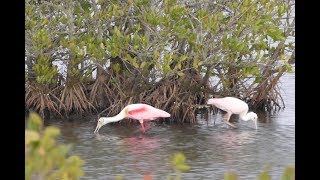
179 66
34 122
282 9
246 2
102 45
230 176
143 64
275 33
117 32
195 63
51 131
264 175
289 173
64 20
156 54
235 4
116 67
288 67
118 178
31 136
44 21
183 167
183 58
85 5
258 79
180 73
134 63
201 13
179 158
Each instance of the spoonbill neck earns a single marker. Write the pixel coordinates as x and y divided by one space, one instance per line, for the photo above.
118 117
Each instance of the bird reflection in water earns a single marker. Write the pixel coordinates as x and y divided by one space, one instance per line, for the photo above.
143 154
232 144
142 150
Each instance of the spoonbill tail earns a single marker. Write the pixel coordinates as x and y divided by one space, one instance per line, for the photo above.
140 112
233 105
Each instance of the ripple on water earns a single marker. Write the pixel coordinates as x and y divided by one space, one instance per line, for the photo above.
211 149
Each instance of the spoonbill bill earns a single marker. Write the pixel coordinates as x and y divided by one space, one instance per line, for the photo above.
233 105
140 112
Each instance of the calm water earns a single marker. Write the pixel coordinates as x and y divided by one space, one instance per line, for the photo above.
210 149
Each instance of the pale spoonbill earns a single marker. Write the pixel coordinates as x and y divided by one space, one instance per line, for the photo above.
233 105
140 112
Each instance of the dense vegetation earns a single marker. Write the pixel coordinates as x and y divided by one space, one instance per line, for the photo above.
87 56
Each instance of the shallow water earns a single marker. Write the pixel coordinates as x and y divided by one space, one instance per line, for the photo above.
211 149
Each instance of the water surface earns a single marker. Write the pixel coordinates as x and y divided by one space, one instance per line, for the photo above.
211 149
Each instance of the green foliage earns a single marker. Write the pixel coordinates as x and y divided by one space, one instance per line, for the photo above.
179 165
166 39
152 29
264 175
41 40
45 158
289 173
44 70
230 176
178 162
275 33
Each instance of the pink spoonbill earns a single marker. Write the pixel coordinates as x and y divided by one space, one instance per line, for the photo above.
140 112
233 105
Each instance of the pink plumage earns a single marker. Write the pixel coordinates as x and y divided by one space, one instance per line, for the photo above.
141 112
145 112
